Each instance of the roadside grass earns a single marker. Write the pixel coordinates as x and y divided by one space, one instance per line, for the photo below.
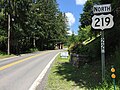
5 56
63 76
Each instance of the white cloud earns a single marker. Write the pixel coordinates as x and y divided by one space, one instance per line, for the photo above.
70 18
80 2
70 32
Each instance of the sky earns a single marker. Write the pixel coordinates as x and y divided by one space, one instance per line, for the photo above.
72 9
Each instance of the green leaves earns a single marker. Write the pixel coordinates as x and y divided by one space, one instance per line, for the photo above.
39 23
85 31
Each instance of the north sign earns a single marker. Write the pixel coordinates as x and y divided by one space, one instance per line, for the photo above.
102 21
105 8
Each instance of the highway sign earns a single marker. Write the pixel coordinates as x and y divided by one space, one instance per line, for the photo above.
105 8
102 21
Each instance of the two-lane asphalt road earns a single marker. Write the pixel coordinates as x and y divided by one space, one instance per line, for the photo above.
19 73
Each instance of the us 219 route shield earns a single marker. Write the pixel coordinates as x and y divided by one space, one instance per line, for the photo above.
102 21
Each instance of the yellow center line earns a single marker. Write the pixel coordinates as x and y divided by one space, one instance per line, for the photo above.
22 60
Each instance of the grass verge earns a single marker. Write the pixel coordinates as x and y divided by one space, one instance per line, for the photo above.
63 76
5 56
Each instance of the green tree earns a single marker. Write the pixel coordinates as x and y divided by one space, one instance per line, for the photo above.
84 33
33 25
85 30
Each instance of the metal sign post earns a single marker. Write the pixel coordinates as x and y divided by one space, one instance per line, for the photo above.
102 21
103 54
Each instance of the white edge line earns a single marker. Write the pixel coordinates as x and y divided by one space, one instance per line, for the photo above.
42 74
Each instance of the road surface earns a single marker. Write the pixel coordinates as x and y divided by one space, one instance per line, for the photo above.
19 73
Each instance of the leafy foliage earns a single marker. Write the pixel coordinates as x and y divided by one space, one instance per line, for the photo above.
33 25
85 32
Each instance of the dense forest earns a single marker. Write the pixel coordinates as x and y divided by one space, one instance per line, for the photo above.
31 24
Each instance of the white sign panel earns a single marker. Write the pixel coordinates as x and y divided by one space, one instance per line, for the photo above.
105 8
64 54
102 21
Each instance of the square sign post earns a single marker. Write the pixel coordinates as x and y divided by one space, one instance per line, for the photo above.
102 22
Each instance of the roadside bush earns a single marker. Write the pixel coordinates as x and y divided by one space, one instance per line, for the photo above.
115 59
78 48
33 50
2 53
92 49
